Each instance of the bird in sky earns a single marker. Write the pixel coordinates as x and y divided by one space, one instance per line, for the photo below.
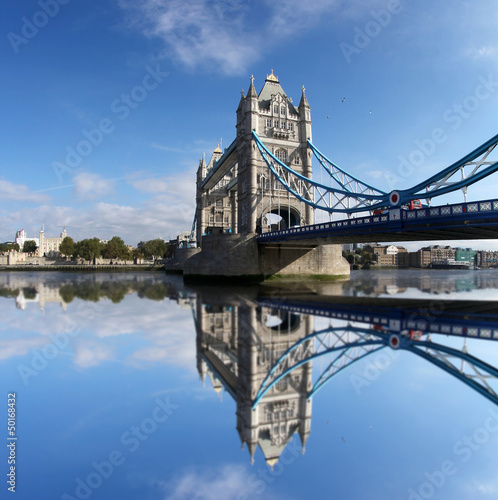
343 99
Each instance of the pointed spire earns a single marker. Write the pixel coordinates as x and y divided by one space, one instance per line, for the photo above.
252 450
304 101
303 436
241 102
251 93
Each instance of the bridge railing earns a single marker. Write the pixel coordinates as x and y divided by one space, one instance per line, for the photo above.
469 210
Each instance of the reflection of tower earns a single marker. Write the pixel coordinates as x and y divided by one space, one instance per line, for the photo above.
285 410
237 346
217 345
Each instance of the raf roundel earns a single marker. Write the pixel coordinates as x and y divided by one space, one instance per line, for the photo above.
394 198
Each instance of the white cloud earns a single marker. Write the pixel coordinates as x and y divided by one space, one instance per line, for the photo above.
91 354
20 192
196 34
484 53
87 185
180 187
168 149
218 35
376 174
10 348
161 331
161 216
225 482
152 185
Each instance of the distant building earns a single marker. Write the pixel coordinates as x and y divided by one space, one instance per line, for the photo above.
47 247
465 255
486 258
22 237
419 259
440 253
385 255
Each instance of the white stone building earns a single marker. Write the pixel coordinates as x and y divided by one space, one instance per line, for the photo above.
47 247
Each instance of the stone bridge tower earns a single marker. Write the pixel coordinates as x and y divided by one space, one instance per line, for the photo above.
284 129
237 198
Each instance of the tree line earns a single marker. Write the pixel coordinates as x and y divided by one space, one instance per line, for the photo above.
92 248
8 247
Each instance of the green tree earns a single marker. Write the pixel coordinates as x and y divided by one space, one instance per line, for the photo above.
67 246
89 249
29 292
137 254
115 248
29 246
155 248
366 257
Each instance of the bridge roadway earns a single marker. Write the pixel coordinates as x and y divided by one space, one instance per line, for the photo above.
474 319
471 221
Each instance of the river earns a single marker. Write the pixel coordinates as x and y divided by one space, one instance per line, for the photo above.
134 386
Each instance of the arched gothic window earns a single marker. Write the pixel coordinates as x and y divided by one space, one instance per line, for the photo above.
281 154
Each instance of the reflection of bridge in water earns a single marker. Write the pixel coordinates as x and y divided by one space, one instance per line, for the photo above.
261 351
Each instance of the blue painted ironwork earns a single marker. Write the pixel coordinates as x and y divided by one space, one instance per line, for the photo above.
321 196
334 368
366 344
354 196
466 216
399 328
372 341
451 321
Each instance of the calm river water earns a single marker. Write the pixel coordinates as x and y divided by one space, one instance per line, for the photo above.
134 386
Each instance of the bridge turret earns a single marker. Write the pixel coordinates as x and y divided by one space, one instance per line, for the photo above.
199 198
304 118
247 121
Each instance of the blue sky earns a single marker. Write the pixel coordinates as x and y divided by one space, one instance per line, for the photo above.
142 89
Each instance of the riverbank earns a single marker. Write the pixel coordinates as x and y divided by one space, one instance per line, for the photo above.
85 268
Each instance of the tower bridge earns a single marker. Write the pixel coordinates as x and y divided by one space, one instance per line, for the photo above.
257 202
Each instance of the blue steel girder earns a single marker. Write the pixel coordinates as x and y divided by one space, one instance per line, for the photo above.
473 371
328 340
342 361
477 375
472 168
353 196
